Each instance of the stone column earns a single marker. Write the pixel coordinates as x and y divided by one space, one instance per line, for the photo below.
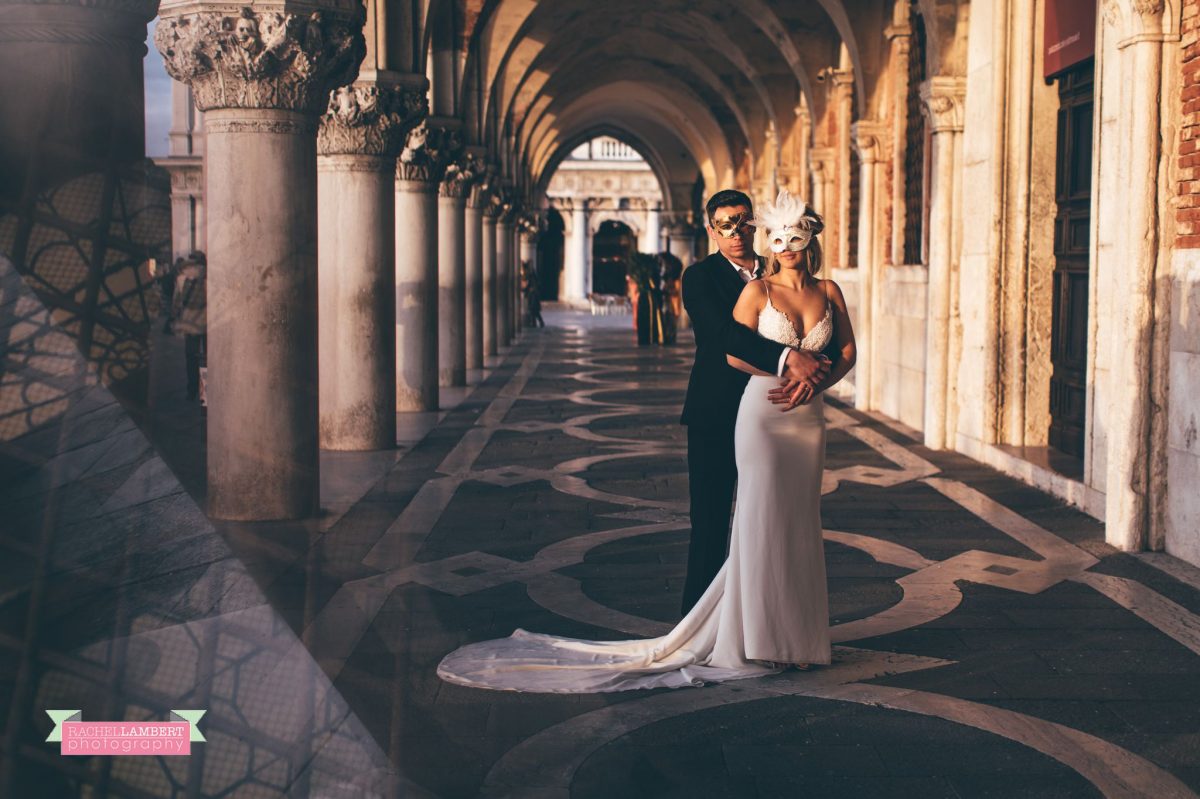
652 239
841 97
504 230
577 256
514 282
360 137
943 100
518 273
488 248
452 275
868 141
263 78
823 171
72 73
572 266
1136 470
681 240
418 173
529 237
473 254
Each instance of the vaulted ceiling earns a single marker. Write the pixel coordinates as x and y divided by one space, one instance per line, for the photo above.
705 89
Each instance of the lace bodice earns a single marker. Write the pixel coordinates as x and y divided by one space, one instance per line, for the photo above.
777 326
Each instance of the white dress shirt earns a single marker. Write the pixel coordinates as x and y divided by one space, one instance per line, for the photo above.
746 275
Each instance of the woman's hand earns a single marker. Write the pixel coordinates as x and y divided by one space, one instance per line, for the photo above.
790 393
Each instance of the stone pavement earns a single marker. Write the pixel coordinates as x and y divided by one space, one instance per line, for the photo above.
988 643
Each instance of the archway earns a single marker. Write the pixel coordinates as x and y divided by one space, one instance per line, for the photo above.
612 245
550 256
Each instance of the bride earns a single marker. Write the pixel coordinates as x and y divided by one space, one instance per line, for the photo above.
767 609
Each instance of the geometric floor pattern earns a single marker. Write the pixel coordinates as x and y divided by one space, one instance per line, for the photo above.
987 641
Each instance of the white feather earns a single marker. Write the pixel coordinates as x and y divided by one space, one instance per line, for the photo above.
787 211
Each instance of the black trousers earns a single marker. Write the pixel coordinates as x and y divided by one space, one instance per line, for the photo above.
195 352
712 474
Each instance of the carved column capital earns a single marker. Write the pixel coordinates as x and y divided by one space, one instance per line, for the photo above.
529 226
371 118
462 175
899 35
430 146
840 82
261 57
869 137
1148 8
492 210
1148 22
485 174
822 160
943 101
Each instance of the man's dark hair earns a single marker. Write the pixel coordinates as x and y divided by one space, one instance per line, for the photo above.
723 198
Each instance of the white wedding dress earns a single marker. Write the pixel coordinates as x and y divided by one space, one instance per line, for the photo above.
766 607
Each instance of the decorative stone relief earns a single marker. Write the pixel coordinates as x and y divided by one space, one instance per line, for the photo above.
428 149
1112 12
501 204
370 119
944 103
493 207
457 180
262 59
1148 8
530 227
868 137
480 188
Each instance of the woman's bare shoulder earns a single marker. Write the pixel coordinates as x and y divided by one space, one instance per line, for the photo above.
831 289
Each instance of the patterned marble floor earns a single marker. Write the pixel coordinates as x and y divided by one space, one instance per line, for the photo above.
987 642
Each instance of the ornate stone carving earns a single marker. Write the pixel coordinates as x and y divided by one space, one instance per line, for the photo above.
943 102
498 203
1112 12
370 119
427 150
530 226
262 59
458 178
1148 8
868 138
480 189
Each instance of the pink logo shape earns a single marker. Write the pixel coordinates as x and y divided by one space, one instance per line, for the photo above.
126 738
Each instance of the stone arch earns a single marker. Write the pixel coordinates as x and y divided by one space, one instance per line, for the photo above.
627 218
651 155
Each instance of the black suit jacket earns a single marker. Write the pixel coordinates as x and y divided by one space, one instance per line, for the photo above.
710 290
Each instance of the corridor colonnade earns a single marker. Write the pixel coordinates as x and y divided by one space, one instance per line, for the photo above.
1007 185
385 193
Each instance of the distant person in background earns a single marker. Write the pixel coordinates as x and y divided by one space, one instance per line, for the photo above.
189 318
163 272
672 283
533 298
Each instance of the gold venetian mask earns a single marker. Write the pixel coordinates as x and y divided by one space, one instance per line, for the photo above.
728 227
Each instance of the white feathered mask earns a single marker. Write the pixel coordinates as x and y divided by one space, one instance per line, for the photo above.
790 224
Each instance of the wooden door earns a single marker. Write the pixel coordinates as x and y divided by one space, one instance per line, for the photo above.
1073 190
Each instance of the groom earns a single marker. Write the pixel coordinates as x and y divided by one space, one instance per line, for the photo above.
710 290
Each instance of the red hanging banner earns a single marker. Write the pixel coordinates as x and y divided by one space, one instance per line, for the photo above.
1069 35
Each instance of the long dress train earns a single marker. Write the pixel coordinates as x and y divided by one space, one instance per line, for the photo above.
766 607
